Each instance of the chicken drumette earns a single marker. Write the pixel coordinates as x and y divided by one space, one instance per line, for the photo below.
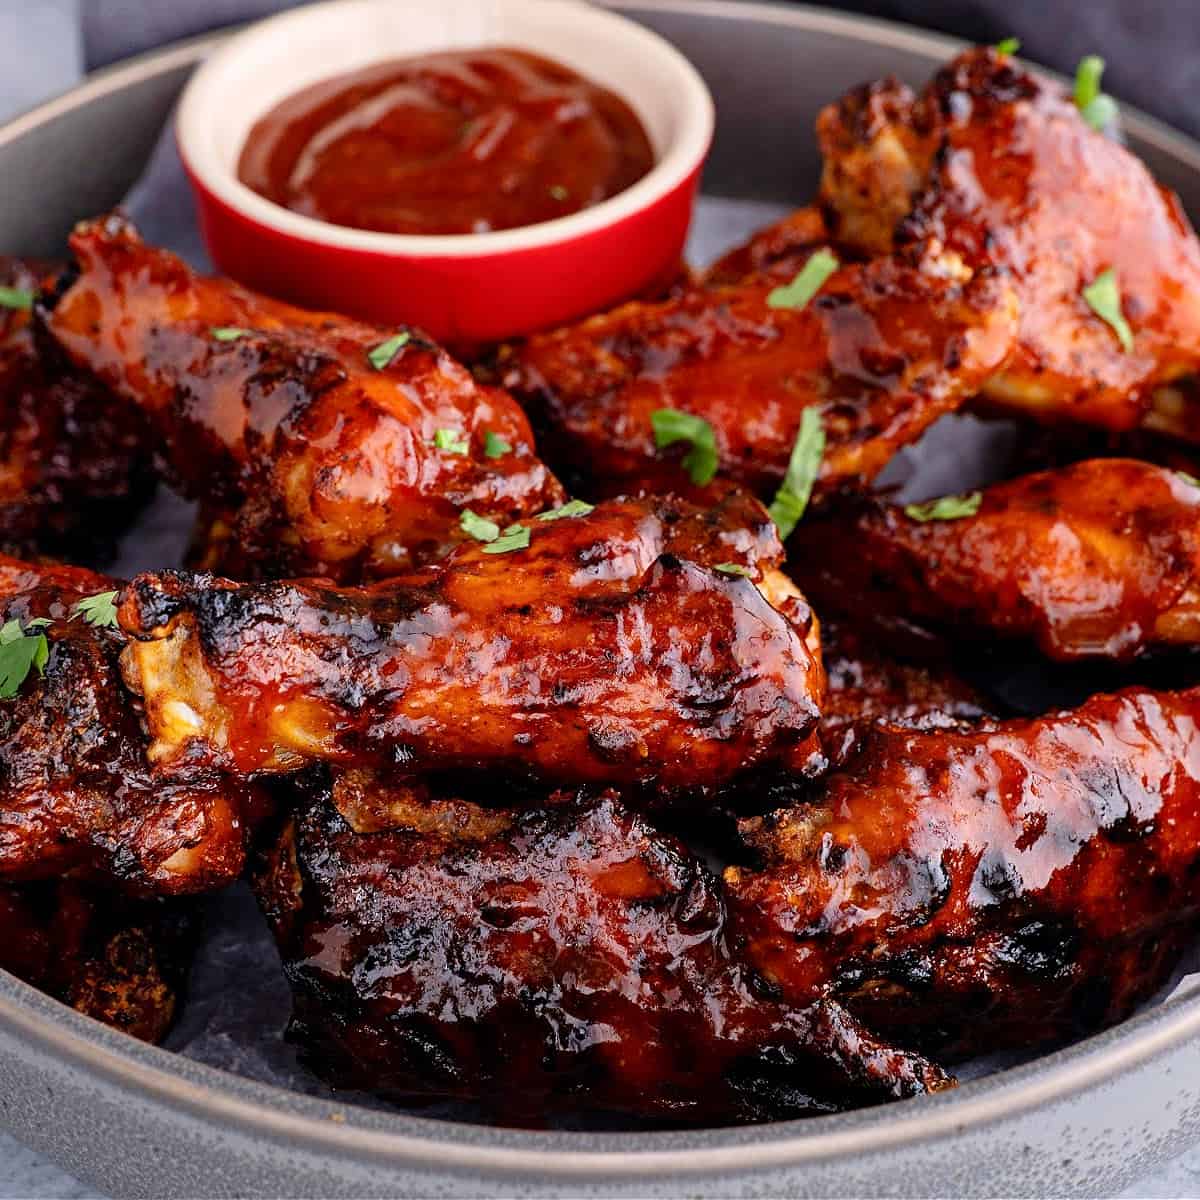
316 444
624 646
1100 559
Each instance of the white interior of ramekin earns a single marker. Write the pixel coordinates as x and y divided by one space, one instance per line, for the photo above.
272 60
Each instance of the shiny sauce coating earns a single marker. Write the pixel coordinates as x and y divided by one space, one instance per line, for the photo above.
464 141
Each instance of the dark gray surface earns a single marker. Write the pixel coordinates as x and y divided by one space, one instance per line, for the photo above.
772 175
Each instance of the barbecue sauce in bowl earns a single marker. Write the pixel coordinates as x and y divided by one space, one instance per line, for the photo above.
458 142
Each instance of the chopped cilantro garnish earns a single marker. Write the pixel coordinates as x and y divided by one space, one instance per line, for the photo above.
1188 478
572 508
229 333
1008 45
480 528
808 281
21 651
11 297
1103 297
803 466
1097 109
732 569
451 440
515 537
99 610
494 446
380 357
671 426
945 508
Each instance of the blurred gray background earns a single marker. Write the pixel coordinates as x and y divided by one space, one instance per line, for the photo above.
1153 52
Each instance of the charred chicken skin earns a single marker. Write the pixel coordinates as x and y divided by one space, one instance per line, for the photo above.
317 445
1100 559
74 463
78 793
1026 882
881 352
995 167
619 647
576 959
122 963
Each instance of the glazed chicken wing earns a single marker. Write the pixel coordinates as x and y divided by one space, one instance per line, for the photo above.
574 959
123 963
881 352
623 646
995 167
317 445
74 463
1022 883
78 792
1100 559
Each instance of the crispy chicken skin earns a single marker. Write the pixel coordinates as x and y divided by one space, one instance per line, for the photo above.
778 251
575 960
74 462
307 458
1100 559
78 792
995 166
122 963
610 650
1019 884
882 351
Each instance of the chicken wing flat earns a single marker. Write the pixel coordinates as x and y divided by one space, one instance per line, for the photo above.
779 250
996 167
74 464
622 646
317 445
122 963
78 792
1019 884
1100 559
881 352
575 960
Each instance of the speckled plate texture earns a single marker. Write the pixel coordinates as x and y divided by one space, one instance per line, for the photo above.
140 1121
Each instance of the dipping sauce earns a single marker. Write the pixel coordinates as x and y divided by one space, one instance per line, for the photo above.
463 141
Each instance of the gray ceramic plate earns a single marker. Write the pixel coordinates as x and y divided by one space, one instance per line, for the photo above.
139 1121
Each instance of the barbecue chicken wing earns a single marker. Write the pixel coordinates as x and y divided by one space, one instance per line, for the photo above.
995 167
572 959
618 647
777 251
78 792
318 445
881 352
1100 559
74 464
1023 883
123 963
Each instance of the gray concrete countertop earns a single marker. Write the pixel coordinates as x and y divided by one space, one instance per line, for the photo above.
39 56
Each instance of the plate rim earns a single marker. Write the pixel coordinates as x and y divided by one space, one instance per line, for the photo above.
390 1139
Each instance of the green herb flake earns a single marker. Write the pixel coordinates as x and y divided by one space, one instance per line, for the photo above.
1007 46
380 357
451 440
99 610
671 426
572 508
1103 296
229 333
1097 109
1188 478
807 283
807 451
558 192
21 651
515 537
494 446
11 297
480 528
732 569
945 508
